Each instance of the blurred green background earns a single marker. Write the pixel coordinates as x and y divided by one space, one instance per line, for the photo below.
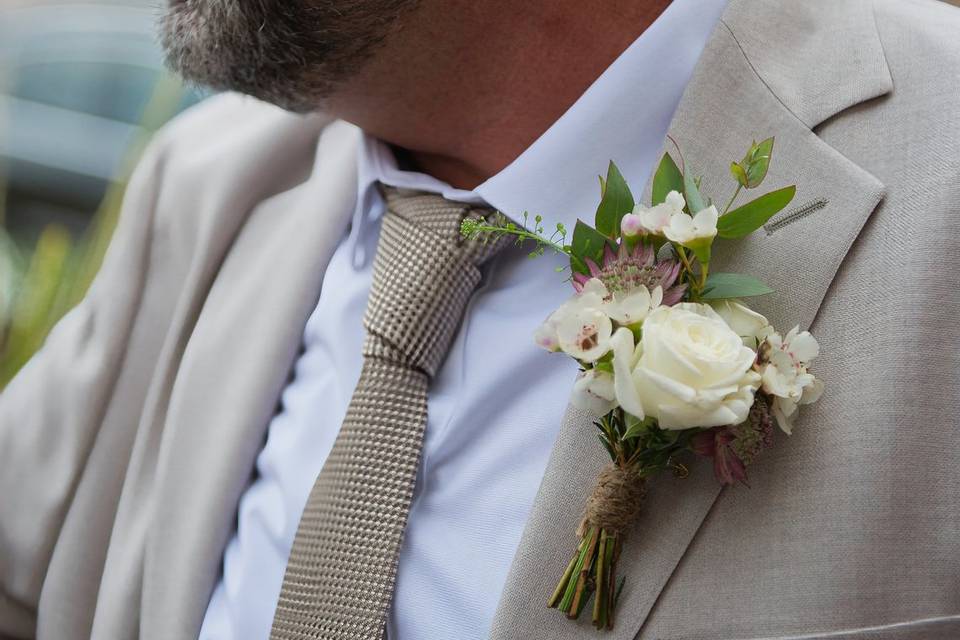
82 89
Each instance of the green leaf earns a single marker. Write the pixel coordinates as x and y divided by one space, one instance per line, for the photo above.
748 218
667 178
636 427
757 162
587 243
751 171
733 285
615 202
667 439
691 193
577 265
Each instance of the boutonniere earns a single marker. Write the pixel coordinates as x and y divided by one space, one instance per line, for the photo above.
672 361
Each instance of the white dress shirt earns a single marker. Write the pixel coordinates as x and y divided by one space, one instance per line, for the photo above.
496 404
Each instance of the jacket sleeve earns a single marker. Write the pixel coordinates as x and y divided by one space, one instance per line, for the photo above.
51 411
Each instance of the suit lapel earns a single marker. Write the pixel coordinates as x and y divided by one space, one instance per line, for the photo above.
231 375
752 82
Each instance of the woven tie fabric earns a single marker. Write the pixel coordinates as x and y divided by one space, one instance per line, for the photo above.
340 576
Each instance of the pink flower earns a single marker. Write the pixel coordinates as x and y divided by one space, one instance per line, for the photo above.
625 270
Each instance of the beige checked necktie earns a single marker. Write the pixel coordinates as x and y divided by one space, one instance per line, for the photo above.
340 575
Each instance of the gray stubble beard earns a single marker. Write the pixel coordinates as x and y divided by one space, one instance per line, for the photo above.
293 53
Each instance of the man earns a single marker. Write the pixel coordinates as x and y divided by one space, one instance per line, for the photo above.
157 456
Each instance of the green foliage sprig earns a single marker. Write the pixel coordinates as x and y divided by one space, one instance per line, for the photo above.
588 242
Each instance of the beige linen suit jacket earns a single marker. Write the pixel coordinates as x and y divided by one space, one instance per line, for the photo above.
126 443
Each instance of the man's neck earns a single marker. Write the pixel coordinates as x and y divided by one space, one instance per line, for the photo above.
472 93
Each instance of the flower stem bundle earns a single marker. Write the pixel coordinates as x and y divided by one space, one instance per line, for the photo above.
592 571
593 568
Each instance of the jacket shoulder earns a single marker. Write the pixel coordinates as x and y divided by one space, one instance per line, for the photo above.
919 27
922 50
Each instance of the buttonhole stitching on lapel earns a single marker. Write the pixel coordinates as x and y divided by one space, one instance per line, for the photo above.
783 219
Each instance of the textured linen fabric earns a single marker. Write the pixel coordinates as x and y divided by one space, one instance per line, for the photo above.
127 442
341 572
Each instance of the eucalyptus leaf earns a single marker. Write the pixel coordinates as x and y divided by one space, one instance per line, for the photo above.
691 192
667 178
751 171
587 243
733 285
615 202
747 218
759 161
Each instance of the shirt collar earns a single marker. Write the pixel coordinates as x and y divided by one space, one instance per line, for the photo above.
623 116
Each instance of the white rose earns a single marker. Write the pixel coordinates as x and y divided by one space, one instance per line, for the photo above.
689 370
692 231
784 362
654 219
593 392
745 322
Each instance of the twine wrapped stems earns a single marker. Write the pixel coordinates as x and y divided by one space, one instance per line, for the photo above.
611 507
638 450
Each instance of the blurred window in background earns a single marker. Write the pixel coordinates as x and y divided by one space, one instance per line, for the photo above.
82 89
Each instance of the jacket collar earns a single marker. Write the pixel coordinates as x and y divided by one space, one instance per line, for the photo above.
817 57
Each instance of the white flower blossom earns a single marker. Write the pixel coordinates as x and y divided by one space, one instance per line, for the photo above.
593 392
631 226
669 220
783 367
546 335
654 219
632 307
582 326
691 231
579 328
585 333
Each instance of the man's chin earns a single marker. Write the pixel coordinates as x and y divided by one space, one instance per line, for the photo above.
293 54
226 45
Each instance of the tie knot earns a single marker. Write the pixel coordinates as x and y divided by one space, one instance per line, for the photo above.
423 276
